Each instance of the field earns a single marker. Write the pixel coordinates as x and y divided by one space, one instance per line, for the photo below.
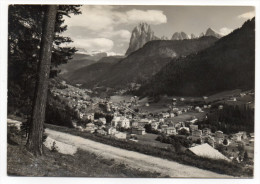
188 116
120 98
149 139
153 108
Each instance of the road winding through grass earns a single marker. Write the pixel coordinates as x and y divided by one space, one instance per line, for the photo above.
133 159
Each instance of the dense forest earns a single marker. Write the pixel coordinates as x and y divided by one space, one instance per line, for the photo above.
230 119
228 64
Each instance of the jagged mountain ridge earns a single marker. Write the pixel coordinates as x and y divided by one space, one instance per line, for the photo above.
183 35
211 32
141 34
180 36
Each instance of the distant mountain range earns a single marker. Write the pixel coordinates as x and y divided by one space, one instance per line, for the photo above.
92 74
227 64
183 35
143 33
78 61
186 65
140 65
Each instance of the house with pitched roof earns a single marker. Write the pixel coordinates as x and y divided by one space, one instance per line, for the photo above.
205 150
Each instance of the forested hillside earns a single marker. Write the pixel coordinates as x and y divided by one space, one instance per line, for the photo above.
228 64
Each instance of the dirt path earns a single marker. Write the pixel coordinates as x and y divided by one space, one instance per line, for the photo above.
133 159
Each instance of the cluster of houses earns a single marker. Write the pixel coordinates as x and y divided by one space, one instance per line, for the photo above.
78 100
127 121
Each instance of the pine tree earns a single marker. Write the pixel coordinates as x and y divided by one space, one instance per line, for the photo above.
38 116
24 38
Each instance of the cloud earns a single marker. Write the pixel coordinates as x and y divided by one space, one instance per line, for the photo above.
93 18
225 31
150 16
90 44
247 15
98 25
114 54
123 35
106 17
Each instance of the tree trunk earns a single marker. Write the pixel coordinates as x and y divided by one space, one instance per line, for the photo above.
35 141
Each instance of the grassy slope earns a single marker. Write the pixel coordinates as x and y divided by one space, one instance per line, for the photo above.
20 162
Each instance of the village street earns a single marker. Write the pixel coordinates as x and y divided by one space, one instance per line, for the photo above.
130 158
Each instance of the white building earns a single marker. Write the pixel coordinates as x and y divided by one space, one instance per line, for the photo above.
120 121
103 120
111 131
169 131
165 115
120 135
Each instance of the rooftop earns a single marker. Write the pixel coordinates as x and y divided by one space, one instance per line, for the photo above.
205 150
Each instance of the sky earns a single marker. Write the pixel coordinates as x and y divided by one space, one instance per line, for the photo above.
106 28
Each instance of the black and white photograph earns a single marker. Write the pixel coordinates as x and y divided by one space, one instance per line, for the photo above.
130 91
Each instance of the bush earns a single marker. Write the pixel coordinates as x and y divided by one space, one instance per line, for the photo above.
58 116
225 142
183 132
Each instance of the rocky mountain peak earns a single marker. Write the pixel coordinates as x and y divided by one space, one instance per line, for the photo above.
143 27
141 34
180 36
164 38
184 36
211 32
192 36
202 34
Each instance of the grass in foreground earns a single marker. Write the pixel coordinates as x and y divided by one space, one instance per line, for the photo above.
20 162
218 166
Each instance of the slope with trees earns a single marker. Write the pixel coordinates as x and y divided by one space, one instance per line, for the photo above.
228 64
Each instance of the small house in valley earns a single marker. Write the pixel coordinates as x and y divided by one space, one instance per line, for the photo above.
138 130
205 150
